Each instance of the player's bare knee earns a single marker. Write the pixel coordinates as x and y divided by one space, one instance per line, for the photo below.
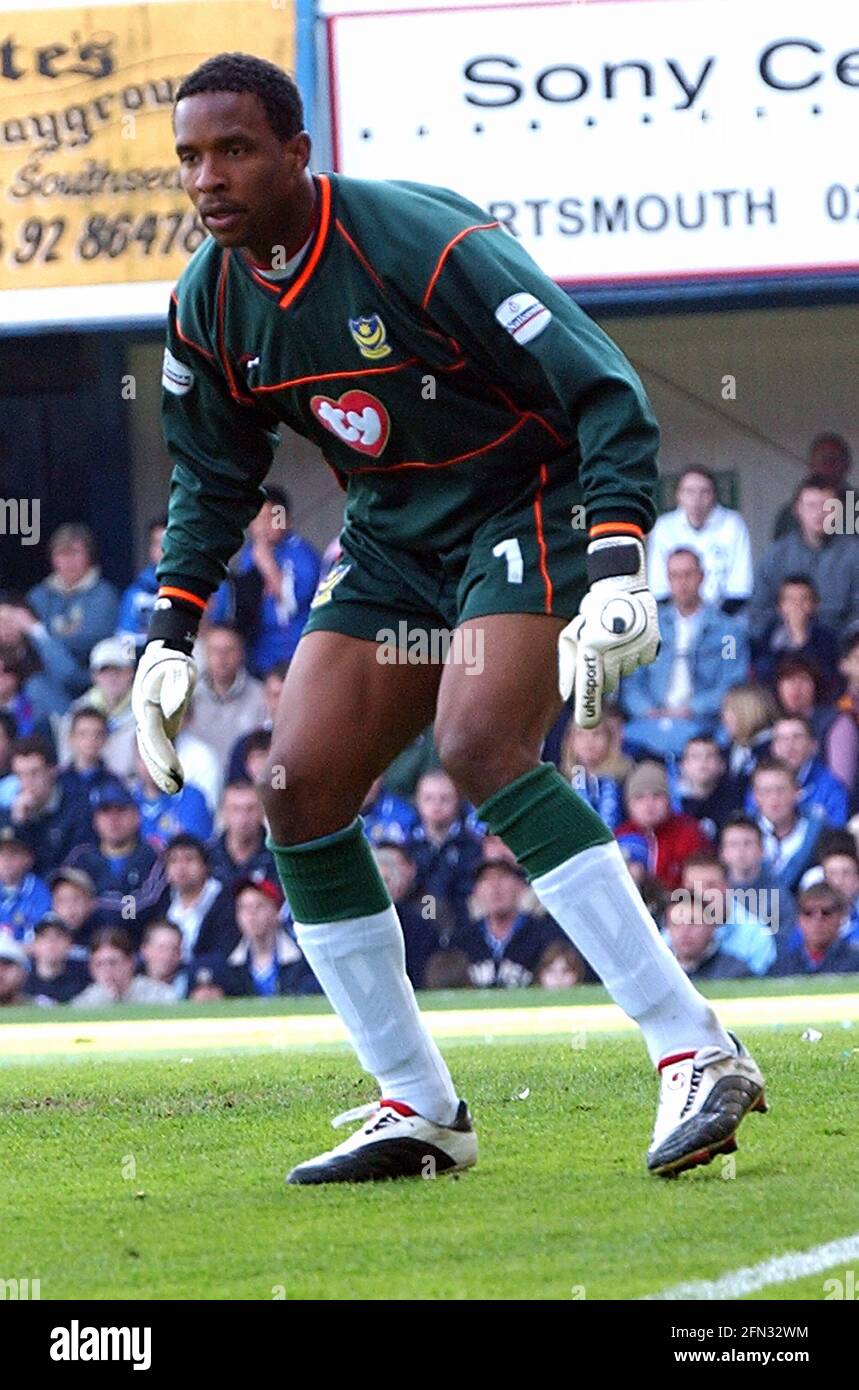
481 761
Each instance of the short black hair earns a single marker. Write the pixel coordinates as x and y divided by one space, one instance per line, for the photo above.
279 497
34 744
738 820
184 840
157 523
814 480
830 437
702 473
88 712
244 72
802 579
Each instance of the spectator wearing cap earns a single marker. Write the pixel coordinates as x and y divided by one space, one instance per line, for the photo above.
669 836
702 654
790 834
387 818
746 926
163 816
703 788
43 814
421 929
74 605
14 969
161 954
797 631
271 688
691 935
273 580
741 850
267 960
127 873
86 771
112 664
445 851
138 600
821 948
240 850
716 533
112 965
200 907
227 700
584 753
829 459
503 944
830 561
73 899
24 897
794 743
55 975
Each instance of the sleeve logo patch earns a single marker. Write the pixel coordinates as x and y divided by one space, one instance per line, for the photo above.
523 316
175 376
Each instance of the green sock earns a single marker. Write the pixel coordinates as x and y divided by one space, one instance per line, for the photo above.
332 878
543 820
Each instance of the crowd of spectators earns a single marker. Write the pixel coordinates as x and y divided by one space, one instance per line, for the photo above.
728 770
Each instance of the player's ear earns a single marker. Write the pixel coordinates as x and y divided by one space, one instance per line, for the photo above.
299 147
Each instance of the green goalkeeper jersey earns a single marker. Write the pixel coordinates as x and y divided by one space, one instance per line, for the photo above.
427 355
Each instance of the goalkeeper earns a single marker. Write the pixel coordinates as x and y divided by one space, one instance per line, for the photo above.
498 455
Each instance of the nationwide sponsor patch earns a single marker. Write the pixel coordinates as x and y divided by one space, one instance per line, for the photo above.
356 417
369 333
326 585
523 316
175 376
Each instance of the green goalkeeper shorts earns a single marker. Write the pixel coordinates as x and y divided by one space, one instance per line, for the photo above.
526 556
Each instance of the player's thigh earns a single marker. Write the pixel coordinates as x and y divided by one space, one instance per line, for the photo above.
495 709
343 716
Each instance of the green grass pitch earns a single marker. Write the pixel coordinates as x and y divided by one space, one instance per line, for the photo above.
156 1177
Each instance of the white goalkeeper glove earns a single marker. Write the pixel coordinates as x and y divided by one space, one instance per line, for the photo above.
615 631
163 686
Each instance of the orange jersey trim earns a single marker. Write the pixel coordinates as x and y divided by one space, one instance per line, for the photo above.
478 227
626 528
316 250
168 592
443 463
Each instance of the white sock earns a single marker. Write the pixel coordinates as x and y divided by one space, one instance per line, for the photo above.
593 898
361 965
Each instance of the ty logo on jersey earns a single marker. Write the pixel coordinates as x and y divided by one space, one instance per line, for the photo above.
357 418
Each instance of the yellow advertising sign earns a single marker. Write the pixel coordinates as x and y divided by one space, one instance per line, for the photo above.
89 179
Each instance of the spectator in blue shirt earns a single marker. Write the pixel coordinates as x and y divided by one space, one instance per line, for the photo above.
86 772
74 605
56 976
44 815
388 817
790 835
445 851
162 816
274 578
702 654
240 849
821 949
136 604
702 786
794 743
741 850
584 752
267 960
745 923
128 875
504 945
797 632
692 937
24 897
840 866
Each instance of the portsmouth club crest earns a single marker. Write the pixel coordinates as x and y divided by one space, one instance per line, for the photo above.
369 334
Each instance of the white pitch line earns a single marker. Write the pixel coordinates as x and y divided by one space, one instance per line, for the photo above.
781 1269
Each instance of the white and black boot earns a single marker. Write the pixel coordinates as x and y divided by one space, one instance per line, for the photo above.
394 1142
703 1098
